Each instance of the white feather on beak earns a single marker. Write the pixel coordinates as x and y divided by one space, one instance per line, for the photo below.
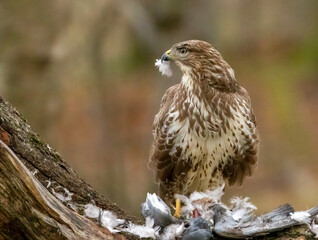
164 67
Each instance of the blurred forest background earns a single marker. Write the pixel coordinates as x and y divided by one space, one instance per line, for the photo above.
82 73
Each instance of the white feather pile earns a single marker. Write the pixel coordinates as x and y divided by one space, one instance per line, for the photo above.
241 208
173 231
304 217
301 217
147 231
66 197
314 228
164 67
152 199
192 202
109 220
92 211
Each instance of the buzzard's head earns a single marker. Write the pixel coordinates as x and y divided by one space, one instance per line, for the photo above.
192 53
200 60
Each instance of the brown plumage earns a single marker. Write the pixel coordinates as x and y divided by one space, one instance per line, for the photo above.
205 132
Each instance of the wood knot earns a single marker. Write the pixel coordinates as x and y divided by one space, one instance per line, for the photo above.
5 136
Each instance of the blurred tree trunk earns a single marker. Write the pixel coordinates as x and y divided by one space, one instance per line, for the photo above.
31 173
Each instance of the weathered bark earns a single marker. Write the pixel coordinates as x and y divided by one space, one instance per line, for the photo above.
35 210
31 172
19 195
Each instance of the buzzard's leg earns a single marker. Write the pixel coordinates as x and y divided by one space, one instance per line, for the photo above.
177 213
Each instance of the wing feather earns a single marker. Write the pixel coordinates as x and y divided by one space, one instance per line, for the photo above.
242 164
165 158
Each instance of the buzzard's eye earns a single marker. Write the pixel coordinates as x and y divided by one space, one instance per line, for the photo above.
183 50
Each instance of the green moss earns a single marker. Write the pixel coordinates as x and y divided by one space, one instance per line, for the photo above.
34 139
37 142
23 118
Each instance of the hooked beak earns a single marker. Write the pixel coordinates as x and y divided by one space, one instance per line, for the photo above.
165 56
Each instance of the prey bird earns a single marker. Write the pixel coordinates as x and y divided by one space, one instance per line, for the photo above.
205 131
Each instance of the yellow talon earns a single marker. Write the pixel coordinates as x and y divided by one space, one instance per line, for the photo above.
177 213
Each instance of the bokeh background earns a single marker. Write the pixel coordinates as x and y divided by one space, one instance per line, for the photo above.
82 73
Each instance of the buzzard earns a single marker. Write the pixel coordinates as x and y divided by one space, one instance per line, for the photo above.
205 131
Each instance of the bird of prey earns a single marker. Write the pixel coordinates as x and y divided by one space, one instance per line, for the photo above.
205 131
